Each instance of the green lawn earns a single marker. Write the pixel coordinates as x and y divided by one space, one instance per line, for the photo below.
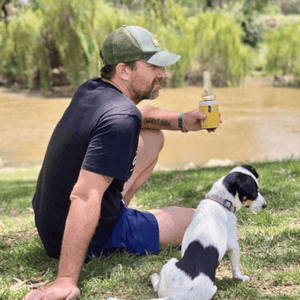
269 240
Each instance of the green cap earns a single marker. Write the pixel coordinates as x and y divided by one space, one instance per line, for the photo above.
129 43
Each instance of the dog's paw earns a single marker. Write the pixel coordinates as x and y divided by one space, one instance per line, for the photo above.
155 281
242 277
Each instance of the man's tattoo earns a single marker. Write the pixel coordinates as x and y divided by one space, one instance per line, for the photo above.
156 121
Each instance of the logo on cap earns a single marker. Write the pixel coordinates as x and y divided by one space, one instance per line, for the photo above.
155 42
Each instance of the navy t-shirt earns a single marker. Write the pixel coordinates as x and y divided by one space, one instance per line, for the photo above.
98 132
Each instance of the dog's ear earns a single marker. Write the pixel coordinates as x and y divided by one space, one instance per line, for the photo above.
240 183
251 169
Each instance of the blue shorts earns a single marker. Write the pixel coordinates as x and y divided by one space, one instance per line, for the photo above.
136 232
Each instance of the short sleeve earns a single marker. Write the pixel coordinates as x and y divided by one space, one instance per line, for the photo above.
113 146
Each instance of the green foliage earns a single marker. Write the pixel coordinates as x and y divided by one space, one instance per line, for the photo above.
158 6
207 34
218 40
293 8
272 9
176 36
21 45
212 40
283 49
72 24
297 74
246 14
77 28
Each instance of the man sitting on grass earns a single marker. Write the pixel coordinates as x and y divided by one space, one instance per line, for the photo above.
102 150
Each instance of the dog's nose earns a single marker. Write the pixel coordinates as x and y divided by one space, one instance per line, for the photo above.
264 205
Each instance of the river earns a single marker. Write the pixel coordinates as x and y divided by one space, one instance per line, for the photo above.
259 123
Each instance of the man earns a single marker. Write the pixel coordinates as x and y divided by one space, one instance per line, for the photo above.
81 201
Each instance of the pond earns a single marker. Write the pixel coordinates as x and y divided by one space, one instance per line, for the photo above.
260 122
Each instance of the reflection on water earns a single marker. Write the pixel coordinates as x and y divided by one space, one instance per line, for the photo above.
259 123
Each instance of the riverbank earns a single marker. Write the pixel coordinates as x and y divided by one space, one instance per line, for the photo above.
286 81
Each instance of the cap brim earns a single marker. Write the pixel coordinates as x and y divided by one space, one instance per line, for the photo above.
162 59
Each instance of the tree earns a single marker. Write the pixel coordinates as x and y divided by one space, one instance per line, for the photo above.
3 4
246 12
283 4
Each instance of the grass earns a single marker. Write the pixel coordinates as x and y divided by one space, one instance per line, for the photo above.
269 240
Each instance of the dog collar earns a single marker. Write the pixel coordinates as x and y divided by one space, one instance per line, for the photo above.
224 202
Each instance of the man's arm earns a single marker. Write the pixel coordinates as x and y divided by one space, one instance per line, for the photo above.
159 119
83 217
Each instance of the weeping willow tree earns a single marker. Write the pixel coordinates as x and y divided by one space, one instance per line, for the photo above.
20 50
76 28
48 33
219 46
212 40
284 50
175 35
79 28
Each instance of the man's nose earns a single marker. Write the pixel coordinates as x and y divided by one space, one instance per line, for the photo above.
161 72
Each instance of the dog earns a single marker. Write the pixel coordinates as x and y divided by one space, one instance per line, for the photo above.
213 230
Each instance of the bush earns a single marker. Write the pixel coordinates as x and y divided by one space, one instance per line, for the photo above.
283 48
218 40
77 29
253 30
21 51
297 75
293 8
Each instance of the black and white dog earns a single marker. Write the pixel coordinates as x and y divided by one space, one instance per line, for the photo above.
212 231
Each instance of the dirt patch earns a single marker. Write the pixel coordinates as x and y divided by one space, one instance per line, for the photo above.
265 283
18 236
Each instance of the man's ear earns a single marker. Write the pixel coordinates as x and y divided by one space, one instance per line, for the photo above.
123 71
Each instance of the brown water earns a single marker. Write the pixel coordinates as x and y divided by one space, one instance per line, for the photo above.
259 123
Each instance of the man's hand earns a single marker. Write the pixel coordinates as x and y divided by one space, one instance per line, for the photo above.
83 217
60 289
193 121
159 119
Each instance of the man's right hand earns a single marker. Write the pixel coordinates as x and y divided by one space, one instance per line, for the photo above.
81 223
60 289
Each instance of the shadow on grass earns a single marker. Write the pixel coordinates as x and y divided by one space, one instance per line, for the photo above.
226 283
16 194
105 267
29 255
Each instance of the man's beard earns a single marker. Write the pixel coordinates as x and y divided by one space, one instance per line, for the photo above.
150 94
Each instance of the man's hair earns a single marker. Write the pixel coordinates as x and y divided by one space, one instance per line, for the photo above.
108 71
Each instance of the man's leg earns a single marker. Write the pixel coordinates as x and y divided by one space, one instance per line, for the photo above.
150 144
173 222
